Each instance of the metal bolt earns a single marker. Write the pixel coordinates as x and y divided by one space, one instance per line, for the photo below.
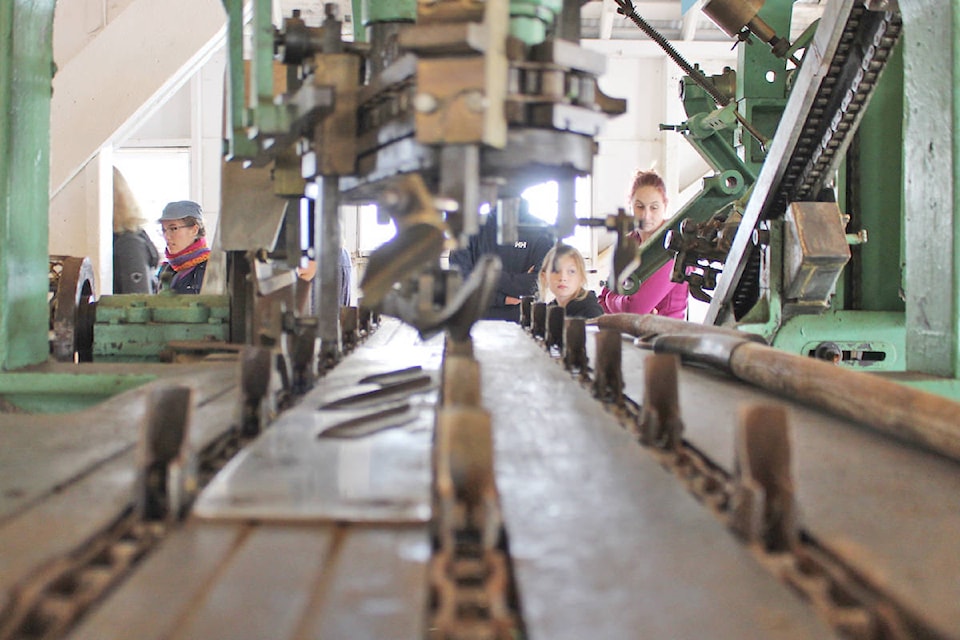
475 101
425 103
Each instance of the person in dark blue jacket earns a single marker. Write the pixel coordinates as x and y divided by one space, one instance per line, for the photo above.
187 252
521 261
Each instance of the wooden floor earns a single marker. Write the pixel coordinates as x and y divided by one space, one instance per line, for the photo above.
307 536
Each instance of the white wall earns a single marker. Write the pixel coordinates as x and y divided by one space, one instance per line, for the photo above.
649 80
118 63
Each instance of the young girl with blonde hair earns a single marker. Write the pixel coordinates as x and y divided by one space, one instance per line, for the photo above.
564 276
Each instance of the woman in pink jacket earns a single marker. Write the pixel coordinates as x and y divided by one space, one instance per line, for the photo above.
657 294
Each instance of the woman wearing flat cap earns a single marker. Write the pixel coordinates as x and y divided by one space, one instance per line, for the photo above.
187 252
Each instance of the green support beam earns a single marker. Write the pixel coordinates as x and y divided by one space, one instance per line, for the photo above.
875 197
26 73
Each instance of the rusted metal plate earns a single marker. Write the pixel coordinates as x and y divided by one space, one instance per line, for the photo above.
295 472
604 542
887 508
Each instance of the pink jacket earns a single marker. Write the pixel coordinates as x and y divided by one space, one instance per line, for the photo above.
657 294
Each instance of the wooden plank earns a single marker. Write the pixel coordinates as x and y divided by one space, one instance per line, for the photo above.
377 586
68 477
158 595
42 453
604 542
290 473
63 521
887 507
265 587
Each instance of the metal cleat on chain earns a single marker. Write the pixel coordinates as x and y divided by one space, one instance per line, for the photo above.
526 310
659 423
255 379
763 505
608 381
575 346
553 337
301 345
469 573
461 381
349 328
166 466
538 320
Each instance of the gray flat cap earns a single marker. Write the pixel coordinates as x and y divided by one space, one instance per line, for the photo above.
182 209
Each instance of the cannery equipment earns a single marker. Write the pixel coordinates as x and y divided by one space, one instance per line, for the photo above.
403 469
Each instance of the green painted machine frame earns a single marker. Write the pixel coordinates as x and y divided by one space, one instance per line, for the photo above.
136 328
26 77
760 94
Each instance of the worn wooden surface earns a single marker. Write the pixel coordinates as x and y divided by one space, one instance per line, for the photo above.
604 542
66 477
292 472
887 507
263 576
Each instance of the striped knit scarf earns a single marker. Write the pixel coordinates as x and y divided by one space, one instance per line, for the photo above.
189 257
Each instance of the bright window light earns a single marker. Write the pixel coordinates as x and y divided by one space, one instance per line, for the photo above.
370 233
156 176
542 201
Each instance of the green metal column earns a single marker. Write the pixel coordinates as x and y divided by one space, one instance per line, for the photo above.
26 73
932 229
762 81
875 273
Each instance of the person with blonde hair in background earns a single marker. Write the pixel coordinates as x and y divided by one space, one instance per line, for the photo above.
135 257
564 276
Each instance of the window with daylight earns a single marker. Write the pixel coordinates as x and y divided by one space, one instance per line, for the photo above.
542 200
156 175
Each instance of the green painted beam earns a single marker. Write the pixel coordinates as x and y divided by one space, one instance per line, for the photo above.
879 194
762 81
64 392
26 74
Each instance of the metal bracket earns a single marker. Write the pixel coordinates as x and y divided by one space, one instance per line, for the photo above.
166 466
575 346
763 506
659 423
255 378
608 381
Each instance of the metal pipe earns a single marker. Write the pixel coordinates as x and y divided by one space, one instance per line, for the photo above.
651 326
327 287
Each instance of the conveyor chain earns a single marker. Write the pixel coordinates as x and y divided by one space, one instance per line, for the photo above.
756 501
58 595
470 571
866 44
